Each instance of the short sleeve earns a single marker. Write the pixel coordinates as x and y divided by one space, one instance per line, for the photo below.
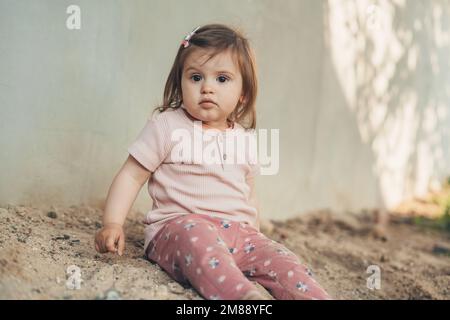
151 146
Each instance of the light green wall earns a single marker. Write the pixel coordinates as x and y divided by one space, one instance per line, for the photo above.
71 101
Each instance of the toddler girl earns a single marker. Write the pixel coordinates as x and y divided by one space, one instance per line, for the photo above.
203 227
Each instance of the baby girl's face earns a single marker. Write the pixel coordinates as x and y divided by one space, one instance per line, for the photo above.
219 80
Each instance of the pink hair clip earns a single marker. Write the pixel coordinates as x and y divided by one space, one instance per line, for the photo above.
185 42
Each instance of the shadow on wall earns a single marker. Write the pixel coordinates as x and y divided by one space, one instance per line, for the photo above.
391 60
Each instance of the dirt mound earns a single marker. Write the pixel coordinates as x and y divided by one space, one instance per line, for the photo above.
38 245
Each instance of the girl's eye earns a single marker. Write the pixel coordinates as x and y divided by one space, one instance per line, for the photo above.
196 77
223 79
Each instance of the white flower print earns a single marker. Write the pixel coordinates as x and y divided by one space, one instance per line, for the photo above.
225 224
251 272
189 226
167 236
221 242
283 251
249 247
175 266
302 286
214 297
309 272
213 262
272 274
188 259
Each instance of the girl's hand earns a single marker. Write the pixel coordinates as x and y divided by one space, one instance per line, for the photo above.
110 238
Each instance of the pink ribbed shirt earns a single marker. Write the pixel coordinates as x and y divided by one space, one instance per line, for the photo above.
180 186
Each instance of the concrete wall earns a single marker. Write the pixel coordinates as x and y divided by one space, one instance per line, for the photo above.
360 94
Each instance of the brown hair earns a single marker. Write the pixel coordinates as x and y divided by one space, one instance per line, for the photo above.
217 37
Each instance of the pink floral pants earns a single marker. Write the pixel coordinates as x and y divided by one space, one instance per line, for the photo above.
218 257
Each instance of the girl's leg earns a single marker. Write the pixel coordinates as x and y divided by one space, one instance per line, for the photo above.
194 249
277 269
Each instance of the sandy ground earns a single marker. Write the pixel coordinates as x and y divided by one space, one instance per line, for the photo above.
37 245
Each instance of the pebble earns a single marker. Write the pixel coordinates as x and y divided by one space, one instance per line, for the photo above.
110 294
162 290
20 211
64 237
440 249
52 214
175 287
86 221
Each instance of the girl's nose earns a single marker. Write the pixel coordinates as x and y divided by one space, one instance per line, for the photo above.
207 88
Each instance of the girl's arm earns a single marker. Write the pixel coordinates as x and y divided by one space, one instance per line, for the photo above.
124 190
121 196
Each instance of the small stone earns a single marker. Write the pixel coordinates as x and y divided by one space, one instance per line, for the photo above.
112 294
52 214
20 211
86 221
175 288
440 249
162 290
